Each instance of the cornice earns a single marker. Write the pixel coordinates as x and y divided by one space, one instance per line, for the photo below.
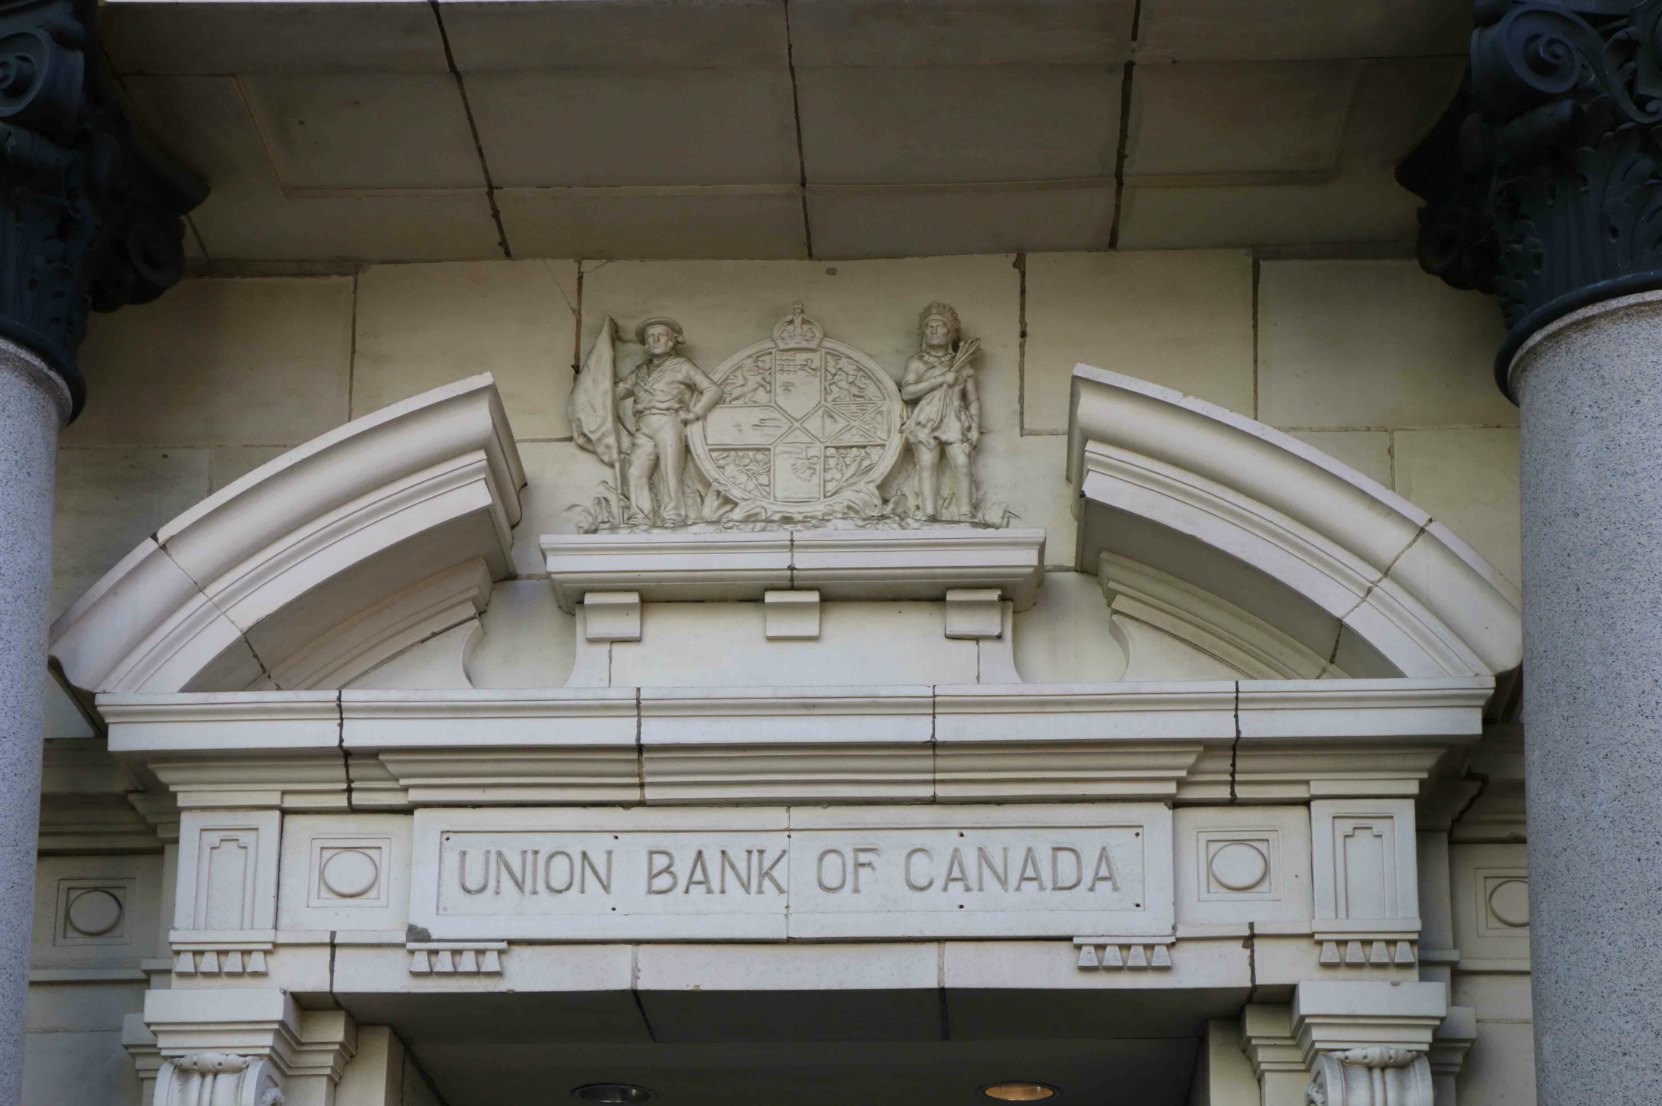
1541 178
1273 741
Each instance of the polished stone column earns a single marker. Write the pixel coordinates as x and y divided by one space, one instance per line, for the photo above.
34 404
1590 386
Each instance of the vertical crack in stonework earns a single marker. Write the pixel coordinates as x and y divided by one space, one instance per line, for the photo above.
473 129
1125 127
345 753
640 747
796 118
1235 747
1021 344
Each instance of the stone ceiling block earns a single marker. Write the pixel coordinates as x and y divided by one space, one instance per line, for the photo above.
364 130
1237 119
636 127
504 35
309 36
1193 30
205 123
753 221
920 221
960 32
958 124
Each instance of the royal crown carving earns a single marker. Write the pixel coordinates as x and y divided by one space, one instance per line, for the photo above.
797 428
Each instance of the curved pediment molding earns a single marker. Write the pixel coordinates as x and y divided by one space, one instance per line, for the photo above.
316 566
1318 560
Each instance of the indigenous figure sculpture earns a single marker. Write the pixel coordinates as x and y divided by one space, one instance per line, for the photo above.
944 414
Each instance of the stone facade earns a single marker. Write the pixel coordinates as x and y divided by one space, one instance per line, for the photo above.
1282 816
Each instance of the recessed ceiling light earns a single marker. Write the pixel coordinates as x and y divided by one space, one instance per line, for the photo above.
612 1093
1020 1092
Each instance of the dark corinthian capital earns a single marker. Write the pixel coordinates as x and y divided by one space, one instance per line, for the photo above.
90 215
1543 180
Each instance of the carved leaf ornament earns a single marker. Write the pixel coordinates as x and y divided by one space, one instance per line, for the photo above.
1543 180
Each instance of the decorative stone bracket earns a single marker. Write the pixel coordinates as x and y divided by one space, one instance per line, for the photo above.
456 958
1115 953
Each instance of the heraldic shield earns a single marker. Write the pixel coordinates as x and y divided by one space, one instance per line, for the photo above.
808 427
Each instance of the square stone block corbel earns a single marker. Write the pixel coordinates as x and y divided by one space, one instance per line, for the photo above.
612 616
791 615
975 613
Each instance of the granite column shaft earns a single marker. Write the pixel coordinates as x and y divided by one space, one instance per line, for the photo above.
1590 388
34 404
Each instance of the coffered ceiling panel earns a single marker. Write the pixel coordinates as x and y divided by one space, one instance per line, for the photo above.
1389 104
1237 118
487 35
735 221
293 36
1196 30
657 128
363 131
959 124
205 123
960 32
1364 208
636 127
903 221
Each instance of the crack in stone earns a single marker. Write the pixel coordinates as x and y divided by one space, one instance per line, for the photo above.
473 129
796 118
1367 593
1235 747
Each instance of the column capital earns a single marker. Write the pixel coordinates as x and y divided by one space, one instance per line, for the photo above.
242 1046
1366 1043
1541 180
92 214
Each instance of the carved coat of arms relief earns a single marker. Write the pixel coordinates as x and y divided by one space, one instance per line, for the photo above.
797 428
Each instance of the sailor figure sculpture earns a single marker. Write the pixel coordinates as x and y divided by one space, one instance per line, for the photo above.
669 393
944 415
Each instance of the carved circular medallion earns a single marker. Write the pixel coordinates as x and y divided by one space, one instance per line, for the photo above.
1238 866
94 913
807 426
1509 902
350 873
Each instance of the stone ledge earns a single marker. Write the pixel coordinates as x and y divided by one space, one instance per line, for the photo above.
841 564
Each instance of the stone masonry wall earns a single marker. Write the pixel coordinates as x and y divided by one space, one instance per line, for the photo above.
1370 360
